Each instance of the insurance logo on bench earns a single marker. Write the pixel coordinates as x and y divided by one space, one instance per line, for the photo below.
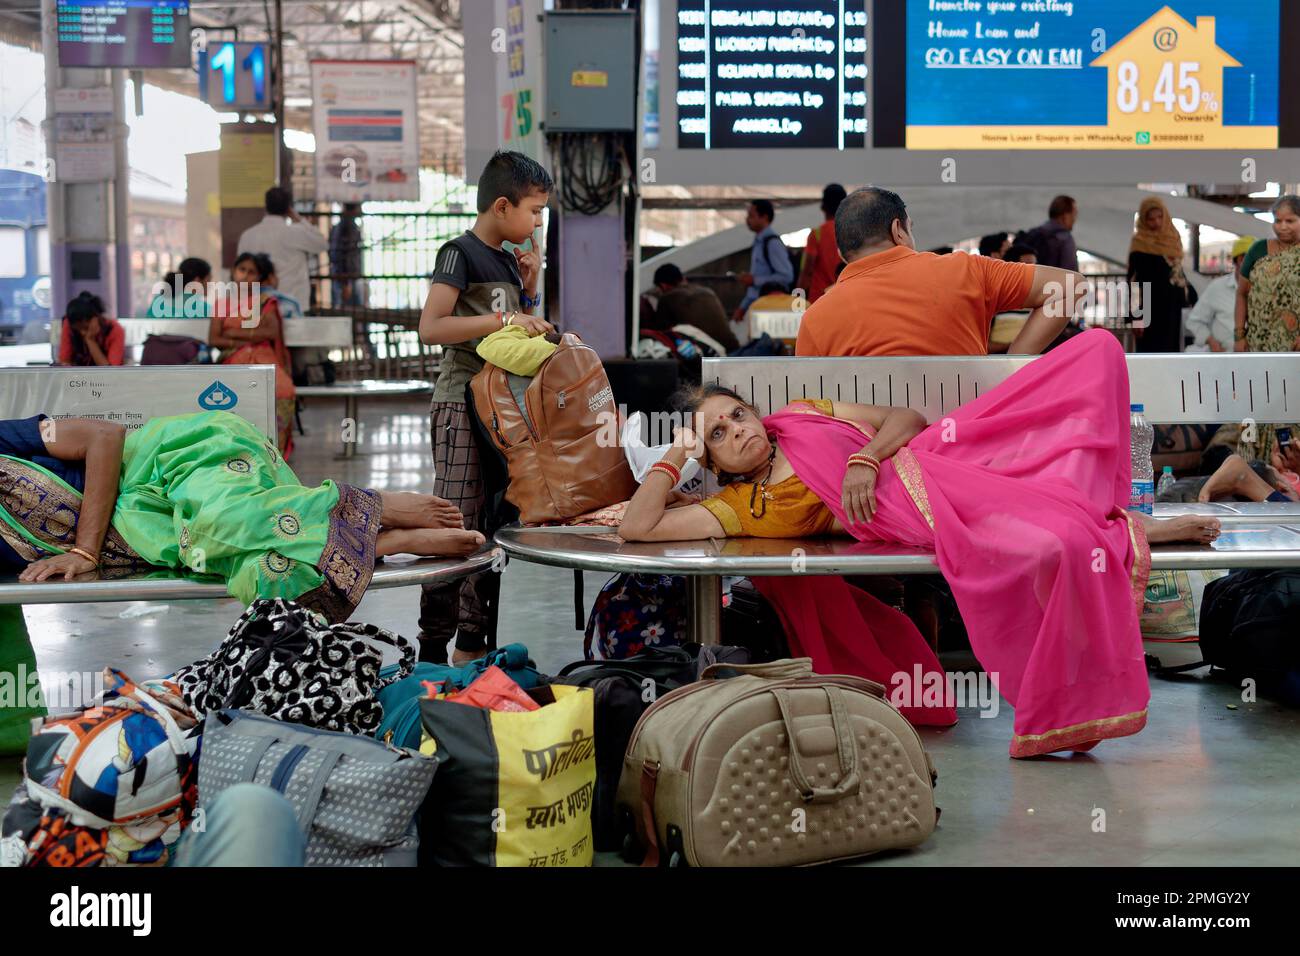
218 397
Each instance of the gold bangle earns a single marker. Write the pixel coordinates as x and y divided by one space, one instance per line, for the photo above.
85 554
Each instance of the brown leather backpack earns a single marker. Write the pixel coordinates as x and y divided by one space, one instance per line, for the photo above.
558 432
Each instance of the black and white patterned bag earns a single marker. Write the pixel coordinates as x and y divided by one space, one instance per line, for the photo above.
287 662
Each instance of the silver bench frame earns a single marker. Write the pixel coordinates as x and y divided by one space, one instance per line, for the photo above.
1179 388
29 391
25 392
319 331
1176 389
424 571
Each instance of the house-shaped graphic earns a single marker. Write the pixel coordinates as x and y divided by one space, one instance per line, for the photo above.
1166 43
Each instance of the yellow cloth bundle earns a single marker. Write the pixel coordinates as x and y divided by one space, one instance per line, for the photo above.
514 350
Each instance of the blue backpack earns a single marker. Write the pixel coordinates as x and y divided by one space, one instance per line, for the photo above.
401 699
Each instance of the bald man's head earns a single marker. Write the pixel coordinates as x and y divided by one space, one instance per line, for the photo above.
870 218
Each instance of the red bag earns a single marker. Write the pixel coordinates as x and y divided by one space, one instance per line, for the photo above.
495 690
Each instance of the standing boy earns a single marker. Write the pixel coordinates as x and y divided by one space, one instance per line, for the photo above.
477 288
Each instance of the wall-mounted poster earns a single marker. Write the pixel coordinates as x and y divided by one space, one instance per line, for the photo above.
367 141
84 151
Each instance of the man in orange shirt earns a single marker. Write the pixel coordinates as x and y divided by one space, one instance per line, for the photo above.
892 300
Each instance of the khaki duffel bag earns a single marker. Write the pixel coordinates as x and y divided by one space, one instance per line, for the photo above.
711 779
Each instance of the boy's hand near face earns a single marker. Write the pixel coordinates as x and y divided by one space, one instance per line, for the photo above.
530 265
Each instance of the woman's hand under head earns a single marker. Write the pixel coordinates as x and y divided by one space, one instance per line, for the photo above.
686 439
69 565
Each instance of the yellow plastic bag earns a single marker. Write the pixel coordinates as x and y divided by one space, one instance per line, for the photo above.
512 789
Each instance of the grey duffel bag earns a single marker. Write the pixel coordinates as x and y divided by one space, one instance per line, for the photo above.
356 798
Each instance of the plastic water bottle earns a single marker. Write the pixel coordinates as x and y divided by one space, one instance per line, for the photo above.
1142 437
1166 480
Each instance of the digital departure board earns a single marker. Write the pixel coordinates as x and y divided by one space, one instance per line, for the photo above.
136 34
771 73
1100 74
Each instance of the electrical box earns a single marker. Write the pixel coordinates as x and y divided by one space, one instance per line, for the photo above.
591 71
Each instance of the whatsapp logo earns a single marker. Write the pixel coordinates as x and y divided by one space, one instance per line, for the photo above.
1144 139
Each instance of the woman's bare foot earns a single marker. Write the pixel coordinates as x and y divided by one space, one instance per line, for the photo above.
408 509
428 542
464 657
1198 529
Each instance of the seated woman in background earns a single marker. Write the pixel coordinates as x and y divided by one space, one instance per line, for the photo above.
248 332
89 337
185 302
205 493
1021 493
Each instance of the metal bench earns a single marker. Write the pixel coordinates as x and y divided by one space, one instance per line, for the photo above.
353 392
319 331
1200 388
160 586
704 563
131 396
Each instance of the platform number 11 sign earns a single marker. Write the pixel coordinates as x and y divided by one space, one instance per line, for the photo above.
235 76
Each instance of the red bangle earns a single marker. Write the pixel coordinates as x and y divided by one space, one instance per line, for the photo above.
669 469
863 458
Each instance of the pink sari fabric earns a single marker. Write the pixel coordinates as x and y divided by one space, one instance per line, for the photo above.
1022 494
842 628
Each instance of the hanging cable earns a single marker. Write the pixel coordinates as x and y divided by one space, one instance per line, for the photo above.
591 171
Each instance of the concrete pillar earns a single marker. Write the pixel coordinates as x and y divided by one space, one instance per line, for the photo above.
89 239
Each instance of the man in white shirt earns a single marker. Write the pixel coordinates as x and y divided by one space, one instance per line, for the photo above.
1212 318
292 245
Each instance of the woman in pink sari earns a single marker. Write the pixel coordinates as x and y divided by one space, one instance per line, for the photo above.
1022 495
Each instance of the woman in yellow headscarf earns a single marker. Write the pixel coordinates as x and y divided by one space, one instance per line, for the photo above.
1155 261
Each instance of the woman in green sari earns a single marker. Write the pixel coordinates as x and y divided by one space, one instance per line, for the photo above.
205 493
1268 307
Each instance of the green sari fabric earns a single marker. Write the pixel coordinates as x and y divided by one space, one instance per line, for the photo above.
17 664
210 494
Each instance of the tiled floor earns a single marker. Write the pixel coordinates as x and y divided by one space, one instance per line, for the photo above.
1202 785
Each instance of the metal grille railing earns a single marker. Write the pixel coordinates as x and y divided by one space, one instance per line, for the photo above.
385 345
384 298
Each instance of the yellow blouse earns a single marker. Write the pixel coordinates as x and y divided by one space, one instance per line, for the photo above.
793 511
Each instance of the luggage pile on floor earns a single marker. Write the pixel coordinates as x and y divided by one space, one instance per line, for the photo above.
677 755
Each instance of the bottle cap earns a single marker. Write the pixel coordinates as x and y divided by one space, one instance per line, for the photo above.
1136 408
1167 470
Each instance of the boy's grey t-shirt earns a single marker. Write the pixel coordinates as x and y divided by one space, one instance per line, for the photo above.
489 281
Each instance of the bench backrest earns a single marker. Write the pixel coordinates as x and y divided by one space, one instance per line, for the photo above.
132 395
322 331
1183 388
